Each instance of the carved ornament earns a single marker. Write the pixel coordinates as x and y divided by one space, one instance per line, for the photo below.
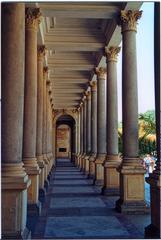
112 53
32 17
129 19
41 49
101 72
93 85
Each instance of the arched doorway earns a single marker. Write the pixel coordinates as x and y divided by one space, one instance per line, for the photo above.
65 137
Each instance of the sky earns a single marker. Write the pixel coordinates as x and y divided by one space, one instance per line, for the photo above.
145 62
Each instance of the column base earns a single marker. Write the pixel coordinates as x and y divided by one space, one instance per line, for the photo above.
111 176
98 182
99 173
132 207
110 191
15 183
152 231
34 209
25 235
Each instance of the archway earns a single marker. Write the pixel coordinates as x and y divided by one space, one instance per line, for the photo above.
65 137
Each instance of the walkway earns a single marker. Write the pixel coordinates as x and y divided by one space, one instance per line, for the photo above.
75 209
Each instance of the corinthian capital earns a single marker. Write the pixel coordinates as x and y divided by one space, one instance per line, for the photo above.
41 51
100 72
32 16
93 85
129 19
112 53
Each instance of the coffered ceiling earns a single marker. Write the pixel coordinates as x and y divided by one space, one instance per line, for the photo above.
75 34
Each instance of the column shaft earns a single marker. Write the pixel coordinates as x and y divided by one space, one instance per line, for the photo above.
81 134
131 171
41 53
111 175
14 179
88 124
84 133
93 129
101 126
30 108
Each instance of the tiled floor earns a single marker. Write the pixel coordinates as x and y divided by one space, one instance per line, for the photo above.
75 209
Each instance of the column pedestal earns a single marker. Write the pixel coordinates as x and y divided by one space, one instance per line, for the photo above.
33 171
14 194
42 191
132 188
111 176
153 230
92 159
87 164
99 174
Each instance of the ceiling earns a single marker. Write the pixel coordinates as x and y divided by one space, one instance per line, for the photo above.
75 35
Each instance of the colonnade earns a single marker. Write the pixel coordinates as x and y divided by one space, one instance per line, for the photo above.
122 177
27 154
28 142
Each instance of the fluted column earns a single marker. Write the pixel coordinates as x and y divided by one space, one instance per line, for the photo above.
14 178
101 126
111 175
44 133
84 132
93 129
153 230
88 137
131 171
30 108
39 155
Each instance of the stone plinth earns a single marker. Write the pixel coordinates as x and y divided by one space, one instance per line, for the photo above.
111 176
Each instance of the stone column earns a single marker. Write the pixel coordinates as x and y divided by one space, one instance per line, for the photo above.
154 179
131 171
101 126
39 155
81 135
44 133
84 132
111 175
48 149
30 108
78 137
14 178
88 123
93 129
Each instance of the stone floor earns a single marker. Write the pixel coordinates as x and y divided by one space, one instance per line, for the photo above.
75 209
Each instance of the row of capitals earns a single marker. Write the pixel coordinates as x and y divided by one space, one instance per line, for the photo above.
127 18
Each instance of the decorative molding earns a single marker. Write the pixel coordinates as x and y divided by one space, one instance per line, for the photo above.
32 17
112 53
45 70
129 18
101 72
93 85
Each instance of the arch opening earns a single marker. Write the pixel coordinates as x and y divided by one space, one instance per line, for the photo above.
66 137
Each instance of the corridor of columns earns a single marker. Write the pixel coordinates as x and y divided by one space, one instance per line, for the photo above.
62 174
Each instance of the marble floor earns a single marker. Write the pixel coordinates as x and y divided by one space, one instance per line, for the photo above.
75 209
